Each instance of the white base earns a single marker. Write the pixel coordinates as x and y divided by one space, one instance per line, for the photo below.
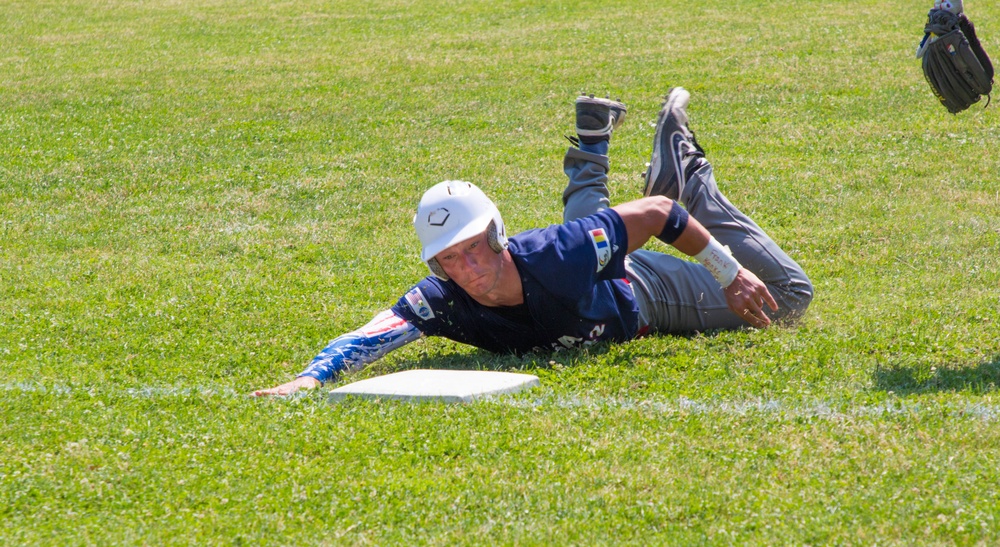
450 386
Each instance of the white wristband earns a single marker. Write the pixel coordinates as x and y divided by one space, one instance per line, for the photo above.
719 261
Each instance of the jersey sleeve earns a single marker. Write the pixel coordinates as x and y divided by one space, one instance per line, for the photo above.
386 332
427 305
578 254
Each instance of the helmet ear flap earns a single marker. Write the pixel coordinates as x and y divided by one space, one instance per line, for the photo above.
436 269
496 241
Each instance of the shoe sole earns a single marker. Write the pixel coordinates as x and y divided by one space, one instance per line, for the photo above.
674 97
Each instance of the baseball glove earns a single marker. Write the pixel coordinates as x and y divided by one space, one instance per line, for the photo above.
954 62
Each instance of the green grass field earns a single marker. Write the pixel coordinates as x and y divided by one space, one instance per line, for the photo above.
198 195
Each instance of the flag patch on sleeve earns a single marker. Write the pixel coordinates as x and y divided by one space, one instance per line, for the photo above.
602 247
418 304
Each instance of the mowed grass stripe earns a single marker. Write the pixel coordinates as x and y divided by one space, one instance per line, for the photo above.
680 407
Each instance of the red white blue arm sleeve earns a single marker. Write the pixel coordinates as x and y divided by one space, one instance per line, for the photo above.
352 351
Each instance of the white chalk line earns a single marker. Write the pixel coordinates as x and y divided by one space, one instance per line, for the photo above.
778 408
668 407
146 392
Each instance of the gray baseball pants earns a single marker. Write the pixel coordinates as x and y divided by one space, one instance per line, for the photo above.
681 296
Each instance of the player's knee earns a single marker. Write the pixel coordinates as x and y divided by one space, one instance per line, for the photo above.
793 299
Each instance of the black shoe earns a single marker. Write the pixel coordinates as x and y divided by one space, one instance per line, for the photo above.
673 142
596 118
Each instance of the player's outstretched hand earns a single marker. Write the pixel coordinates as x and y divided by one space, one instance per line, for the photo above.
746 297
302 382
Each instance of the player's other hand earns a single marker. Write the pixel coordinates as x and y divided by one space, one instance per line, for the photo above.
302 382
746 297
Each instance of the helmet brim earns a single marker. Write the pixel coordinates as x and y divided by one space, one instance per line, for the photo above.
469 231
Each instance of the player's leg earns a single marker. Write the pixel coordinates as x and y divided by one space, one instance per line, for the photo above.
676 295
682 295
750 245
586 164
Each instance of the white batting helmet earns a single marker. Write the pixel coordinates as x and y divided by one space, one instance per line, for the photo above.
453 211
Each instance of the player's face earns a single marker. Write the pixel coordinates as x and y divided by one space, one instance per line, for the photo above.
472 264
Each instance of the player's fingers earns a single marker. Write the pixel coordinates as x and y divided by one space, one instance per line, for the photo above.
771 302
756 318
754 314
280 390
765 321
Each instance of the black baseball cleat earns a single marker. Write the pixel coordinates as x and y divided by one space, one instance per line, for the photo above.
673 142
597 118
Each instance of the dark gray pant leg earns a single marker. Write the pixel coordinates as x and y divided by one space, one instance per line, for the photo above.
682 296
677 295
587 191
755 250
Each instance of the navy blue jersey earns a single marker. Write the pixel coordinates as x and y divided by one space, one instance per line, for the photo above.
575 293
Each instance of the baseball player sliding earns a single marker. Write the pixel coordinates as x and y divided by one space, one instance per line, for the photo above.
587 280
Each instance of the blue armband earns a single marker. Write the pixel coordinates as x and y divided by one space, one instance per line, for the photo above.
677 221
